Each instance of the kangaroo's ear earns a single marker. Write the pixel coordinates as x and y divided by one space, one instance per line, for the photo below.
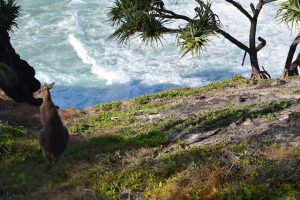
50 86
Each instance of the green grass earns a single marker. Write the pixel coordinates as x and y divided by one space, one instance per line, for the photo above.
111 166
115 115
220 118
13 153
224 117
123 151
184 92
189 173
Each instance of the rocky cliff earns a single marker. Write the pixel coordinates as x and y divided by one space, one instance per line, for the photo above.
16 75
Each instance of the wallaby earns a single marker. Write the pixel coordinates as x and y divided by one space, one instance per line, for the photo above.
54 135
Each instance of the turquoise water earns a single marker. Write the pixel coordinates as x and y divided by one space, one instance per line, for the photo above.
66 42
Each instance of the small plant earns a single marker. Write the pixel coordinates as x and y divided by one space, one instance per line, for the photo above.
80 128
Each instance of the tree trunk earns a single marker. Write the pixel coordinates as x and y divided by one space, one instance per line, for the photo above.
290 69
256 72
295 65
252 50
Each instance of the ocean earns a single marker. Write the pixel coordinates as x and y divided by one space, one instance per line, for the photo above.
66 41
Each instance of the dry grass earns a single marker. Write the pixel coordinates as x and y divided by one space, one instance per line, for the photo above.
71 116
278 152
16 113
28 115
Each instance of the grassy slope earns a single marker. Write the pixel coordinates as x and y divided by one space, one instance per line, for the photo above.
126 150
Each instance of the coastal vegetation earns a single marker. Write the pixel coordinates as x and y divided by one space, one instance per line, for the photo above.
150 20
289 13
202 143
233 139
9 12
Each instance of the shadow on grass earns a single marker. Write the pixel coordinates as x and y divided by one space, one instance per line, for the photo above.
224 117
206 173
110 143
23 169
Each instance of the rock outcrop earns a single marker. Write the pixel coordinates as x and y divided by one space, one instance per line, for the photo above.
17 77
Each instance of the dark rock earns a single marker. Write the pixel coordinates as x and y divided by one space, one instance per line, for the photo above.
18 77
200 97
244 98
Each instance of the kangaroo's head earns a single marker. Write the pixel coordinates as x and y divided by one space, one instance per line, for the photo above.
44 91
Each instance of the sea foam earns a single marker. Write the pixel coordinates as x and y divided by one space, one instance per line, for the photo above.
67 43
112 77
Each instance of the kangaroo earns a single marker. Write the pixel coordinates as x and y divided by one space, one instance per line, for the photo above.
54 136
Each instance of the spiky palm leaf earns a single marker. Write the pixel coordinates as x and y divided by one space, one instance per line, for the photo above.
152 29
145 18
122 8
136 16
9 12
131 23
196 36
289 12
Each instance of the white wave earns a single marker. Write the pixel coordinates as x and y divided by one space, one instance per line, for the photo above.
68 44
112 77
47 77
69 21
43 77
76 2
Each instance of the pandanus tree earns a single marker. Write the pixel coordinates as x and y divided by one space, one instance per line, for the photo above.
289 13
150 20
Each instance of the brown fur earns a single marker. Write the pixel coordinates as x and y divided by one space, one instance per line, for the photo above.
54 135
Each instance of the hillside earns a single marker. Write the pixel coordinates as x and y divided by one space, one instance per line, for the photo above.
235 139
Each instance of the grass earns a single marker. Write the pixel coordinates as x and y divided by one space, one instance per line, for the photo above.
115 115
182 174
223 117
177 93
121 153
179 174
13 152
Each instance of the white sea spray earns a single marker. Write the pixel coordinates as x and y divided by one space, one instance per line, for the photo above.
66 42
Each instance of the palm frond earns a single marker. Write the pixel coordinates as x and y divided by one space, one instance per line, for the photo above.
131 23
9 12
152 29
289 13
147 19
122 7
135 16
196 36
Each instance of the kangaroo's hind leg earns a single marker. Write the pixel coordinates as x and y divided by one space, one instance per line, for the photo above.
44 155
42 141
